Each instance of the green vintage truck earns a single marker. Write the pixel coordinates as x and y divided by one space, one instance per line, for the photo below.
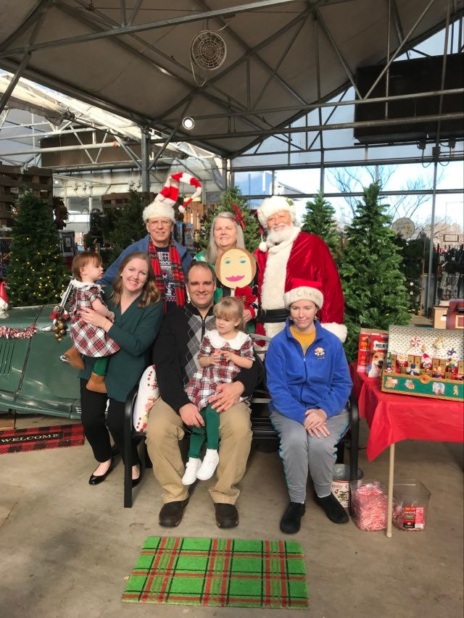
33 378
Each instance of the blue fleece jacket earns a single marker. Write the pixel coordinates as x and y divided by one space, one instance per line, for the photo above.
142 245
298 382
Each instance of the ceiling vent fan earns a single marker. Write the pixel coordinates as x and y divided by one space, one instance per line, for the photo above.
208 50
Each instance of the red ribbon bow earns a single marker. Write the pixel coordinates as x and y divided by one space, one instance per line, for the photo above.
238 216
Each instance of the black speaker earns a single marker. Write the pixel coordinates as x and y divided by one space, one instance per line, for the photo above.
411 77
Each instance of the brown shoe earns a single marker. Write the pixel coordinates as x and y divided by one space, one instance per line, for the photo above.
96 383
226 515
171 514
74 358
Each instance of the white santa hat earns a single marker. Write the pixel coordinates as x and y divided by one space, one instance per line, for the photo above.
164 202
302 289
272 205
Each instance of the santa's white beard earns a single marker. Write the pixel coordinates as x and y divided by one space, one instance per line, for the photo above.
275 237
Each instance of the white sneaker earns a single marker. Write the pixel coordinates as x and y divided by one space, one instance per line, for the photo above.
209 465
190 474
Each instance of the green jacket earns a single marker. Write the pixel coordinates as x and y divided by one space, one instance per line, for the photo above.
134 331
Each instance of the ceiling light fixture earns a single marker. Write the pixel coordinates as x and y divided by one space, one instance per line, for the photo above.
188 123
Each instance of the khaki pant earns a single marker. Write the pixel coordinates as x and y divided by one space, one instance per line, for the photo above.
165 429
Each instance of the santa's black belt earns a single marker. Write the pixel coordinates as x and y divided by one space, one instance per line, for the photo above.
272 315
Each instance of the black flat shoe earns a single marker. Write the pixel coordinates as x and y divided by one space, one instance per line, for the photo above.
172 512
97 479
333 509
226 515
291 519
136 481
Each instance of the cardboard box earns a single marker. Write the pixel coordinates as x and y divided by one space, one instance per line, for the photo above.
439 317
372 348
455 315
440 372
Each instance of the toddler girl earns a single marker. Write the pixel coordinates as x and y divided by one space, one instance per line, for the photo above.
87 339
224 350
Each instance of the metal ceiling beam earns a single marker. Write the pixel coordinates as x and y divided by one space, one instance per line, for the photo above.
252 52
273 73
134 13
398 49
43 134
333 127
163 23
28 23
63 149
6 95
456 155
396 20
339 54
338 163
36 26
88 21
335 104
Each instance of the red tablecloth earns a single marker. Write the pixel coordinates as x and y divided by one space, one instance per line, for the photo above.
392 418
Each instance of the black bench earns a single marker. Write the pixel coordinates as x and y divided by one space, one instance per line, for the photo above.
264 436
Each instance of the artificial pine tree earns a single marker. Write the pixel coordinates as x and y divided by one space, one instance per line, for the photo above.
36 273
373 284
230 198
94 236
127 226
412 266
319 219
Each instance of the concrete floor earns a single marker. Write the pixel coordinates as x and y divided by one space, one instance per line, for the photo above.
66 547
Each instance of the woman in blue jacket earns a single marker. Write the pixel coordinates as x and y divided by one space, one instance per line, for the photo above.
309 383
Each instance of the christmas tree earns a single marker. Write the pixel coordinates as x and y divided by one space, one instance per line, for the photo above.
36 273
127 226
94 237
412 266
373 284
232 201
319 219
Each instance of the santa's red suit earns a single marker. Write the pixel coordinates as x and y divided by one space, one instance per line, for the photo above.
303 256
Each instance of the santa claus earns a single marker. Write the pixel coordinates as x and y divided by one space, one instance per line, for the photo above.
290 253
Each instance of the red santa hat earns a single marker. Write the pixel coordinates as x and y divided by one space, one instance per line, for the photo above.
302 289
164 202
274 204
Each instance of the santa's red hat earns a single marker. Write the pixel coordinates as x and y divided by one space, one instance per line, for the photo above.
164 202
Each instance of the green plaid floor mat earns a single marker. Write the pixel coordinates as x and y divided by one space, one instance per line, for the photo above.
219 572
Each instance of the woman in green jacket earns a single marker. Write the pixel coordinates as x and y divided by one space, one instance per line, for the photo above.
134 300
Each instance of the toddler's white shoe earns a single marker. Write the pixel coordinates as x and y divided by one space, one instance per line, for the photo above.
191 469
209 465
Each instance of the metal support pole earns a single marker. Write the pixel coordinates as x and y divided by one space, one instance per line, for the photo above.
436 157
428 280
145 160
14 81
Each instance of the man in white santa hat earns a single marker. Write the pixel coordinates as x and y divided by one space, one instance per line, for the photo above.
170 260
289 253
